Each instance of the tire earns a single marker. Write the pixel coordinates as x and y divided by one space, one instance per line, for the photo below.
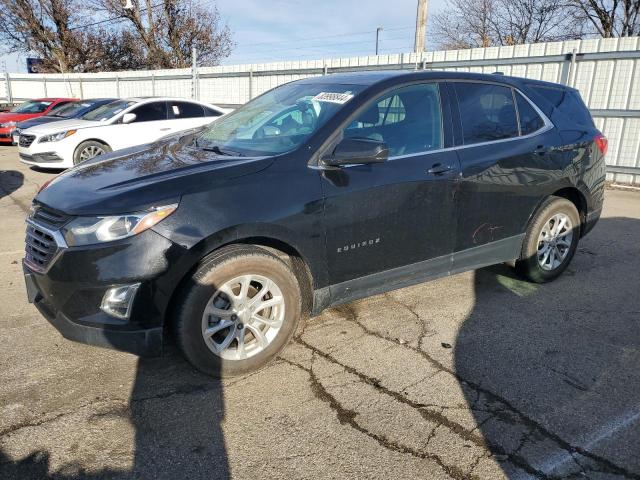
544 260
89 146
202 303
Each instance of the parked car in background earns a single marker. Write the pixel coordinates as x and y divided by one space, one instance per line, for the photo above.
114 126
25 111
76 109
357 184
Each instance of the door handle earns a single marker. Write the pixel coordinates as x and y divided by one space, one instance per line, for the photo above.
438 169
165 129
540 150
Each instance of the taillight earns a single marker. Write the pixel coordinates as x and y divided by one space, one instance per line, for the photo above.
602 143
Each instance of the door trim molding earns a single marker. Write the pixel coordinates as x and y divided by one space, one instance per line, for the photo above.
503 250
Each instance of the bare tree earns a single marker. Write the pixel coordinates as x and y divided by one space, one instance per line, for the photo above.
609 18
169 29
484 23
79 36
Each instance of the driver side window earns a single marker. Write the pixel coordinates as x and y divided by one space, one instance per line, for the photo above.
407 119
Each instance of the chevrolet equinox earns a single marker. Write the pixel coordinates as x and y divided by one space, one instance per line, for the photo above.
316 193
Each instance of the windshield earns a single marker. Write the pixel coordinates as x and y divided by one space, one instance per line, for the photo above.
32 106
65 110
278 121
105 112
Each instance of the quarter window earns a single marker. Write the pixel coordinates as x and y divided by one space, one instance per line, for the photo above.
408 120
150 112
530 121
487 112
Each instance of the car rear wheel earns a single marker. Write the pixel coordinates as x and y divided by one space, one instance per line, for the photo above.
550 241
238 311
88 150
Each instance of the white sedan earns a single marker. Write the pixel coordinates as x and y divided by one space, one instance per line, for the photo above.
119 124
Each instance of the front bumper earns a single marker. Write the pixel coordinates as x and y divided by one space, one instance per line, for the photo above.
68 293
6 135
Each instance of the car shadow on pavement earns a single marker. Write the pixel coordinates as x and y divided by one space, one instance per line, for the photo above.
176 414
10 181
550 371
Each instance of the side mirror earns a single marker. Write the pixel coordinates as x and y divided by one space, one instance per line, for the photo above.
128 117
357 151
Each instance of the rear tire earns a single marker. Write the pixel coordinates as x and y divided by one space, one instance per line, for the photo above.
550 241
228 295
88 150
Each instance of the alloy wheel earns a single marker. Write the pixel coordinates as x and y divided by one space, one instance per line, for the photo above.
91 151
554 241
243 317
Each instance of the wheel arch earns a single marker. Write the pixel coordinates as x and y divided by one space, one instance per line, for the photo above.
91 139
279 245
572 193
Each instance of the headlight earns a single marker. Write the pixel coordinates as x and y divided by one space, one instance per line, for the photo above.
54 137
7 125
91 230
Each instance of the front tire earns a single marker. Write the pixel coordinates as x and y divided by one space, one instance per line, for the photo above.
238 311
550 241
88 150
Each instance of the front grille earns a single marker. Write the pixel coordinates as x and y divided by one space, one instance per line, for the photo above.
48 217
41 247
26 140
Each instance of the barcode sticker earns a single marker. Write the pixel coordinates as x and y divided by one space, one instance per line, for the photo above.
333 97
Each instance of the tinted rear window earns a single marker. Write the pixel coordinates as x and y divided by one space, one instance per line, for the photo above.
568 102
487 112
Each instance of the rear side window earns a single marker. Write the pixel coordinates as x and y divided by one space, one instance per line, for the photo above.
150 112
407 119
530 121
567 102
487 112
186 110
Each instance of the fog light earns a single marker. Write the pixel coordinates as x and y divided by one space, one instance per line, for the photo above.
117 301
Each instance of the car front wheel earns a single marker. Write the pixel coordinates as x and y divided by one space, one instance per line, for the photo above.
88 150
238 311
550 241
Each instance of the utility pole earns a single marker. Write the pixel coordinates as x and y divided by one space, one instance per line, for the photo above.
194 73
378 30
421 26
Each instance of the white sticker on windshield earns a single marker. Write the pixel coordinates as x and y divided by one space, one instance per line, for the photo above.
333 97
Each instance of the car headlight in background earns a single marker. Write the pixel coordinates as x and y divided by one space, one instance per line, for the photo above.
92 230
55 137
7 125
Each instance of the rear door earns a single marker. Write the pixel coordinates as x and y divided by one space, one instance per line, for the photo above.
397 213
507 151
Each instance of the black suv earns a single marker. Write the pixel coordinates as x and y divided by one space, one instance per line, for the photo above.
319 192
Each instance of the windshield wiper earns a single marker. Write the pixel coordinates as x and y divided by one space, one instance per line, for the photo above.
220 151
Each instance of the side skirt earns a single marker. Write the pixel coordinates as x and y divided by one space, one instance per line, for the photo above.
471 259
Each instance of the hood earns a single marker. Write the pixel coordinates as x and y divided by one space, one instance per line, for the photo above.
32 122
140 177
71 124
16 117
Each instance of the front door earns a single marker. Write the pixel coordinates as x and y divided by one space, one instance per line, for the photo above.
394 214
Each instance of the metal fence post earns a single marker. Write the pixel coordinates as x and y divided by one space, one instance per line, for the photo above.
117 86
153 85
250 83
44 85
81 89
7 80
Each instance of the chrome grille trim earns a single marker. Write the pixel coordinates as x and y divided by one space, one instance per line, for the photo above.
43 246
26 140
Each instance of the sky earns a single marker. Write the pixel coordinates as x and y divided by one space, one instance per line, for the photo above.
273 30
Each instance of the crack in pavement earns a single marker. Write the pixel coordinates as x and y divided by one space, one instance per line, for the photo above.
348 417
604 465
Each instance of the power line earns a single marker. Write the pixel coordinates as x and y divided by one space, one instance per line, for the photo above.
117 19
